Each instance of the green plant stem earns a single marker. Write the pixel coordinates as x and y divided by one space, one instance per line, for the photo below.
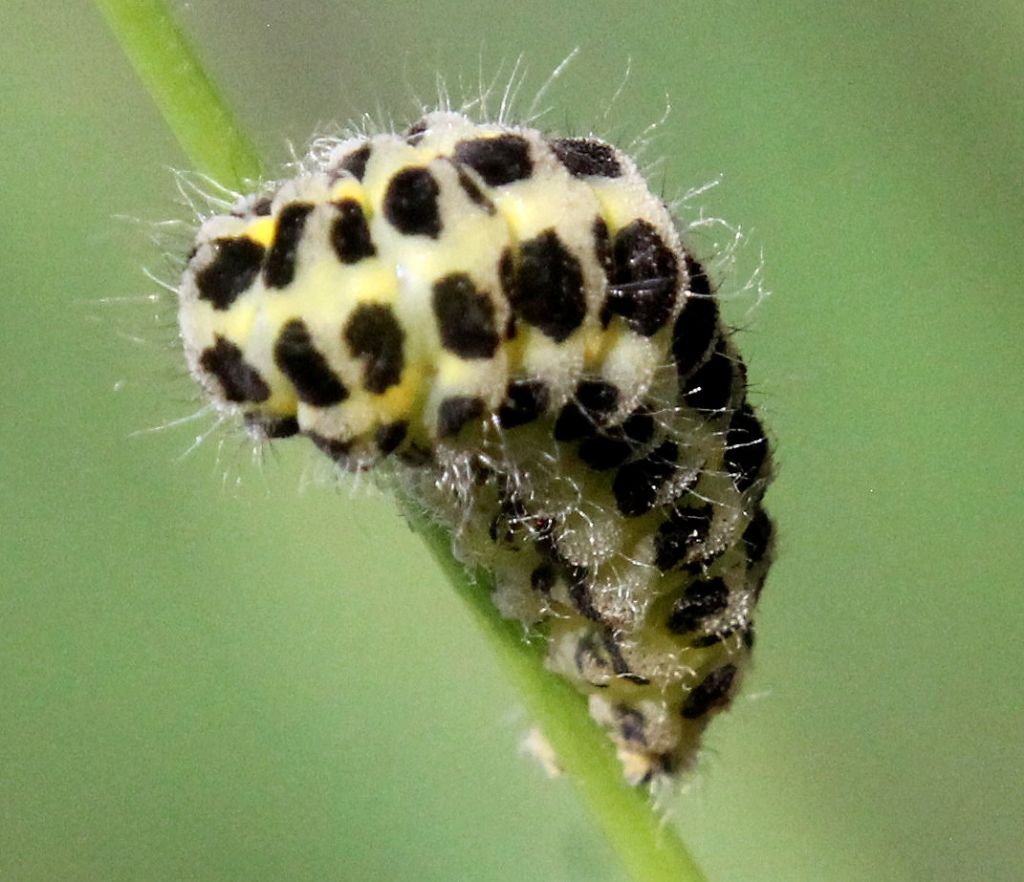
650 849
215 144
190 103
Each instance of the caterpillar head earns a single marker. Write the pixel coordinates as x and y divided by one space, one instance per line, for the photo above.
288 317
359 304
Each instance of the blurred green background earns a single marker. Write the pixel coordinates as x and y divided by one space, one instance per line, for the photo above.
217 670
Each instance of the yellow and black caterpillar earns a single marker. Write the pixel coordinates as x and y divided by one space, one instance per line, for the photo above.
509 324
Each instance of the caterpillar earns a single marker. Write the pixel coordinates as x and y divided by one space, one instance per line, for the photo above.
508 325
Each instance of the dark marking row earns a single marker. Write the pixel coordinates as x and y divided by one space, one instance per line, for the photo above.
373 335
542 279
547 290
466 322
503 159
236 262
